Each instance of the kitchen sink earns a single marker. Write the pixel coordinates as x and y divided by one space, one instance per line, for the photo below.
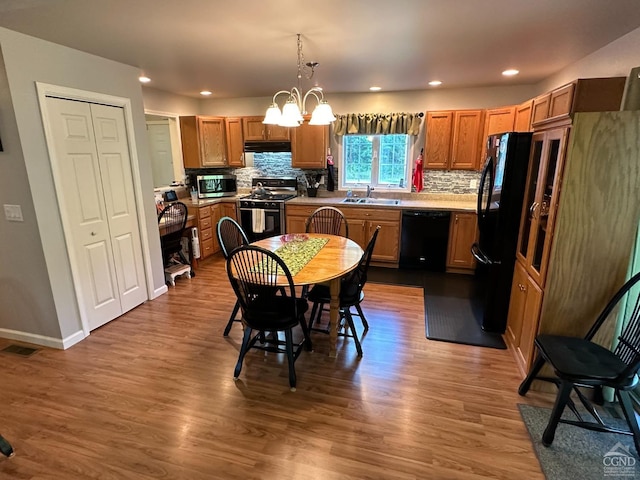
371 201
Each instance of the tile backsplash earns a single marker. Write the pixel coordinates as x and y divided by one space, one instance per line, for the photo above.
279 165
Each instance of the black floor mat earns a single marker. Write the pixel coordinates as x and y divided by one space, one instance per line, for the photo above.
452 304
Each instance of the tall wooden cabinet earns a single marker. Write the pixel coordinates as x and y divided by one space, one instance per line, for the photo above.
578 228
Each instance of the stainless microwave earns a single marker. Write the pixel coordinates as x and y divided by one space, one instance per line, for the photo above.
211 186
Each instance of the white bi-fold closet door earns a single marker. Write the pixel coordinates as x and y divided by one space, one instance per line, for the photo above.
95 189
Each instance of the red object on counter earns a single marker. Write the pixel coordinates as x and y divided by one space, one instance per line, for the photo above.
417 174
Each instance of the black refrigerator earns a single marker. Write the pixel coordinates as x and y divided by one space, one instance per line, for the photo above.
500 197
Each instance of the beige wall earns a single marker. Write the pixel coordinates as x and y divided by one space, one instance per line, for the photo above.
37 261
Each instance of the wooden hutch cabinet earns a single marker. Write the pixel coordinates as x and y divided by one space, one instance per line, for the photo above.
578 227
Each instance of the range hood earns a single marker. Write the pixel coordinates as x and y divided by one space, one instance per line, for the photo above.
261 146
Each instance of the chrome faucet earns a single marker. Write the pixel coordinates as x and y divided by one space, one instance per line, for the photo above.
369 190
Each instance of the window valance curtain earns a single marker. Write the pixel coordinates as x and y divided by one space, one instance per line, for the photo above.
377 124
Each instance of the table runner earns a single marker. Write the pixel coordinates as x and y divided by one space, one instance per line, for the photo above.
297 254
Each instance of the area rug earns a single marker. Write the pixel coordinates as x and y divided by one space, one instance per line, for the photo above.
580 454
453 319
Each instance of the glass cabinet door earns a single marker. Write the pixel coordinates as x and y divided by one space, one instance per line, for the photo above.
529 196
542 210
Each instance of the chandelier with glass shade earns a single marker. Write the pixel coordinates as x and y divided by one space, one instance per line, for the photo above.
295 106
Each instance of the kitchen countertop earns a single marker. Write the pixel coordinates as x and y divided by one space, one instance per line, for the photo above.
428 201
423 201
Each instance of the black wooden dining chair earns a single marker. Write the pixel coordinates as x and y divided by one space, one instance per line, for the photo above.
327 220
230 236
5 447
351 295
580 362
253 273
173 220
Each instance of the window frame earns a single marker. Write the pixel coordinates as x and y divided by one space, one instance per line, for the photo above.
356 187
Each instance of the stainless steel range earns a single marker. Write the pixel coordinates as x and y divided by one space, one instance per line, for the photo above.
262 212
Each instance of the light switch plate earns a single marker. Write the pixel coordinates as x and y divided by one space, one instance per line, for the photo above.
13 213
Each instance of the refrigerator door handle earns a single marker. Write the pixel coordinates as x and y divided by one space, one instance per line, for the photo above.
482 257
487 172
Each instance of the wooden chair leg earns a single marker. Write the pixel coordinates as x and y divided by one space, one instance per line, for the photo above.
5 447
292 369
232 319
629 414
246 340
365 324
535 370
349 319
564 392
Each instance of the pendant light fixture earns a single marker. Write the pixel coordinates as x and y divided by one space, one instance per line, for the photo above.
295 106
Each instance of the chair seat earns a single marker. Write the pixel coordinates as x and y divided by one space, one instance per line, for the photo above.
321 294
274 313
580 360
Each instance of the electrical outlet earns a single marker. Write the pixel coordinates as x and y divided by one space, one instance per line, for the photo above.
473 183
13 213
322 180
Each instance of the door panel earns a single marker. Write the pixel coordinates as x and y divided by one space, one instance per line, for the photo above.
115 167
95 189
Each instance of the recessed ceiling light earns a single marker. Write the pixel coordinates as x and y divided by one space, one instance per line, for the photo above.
511 72
144 79
205 93
375 89
435 83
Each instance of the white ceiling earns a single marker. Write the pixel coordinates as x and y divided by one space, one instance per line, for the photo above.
248 48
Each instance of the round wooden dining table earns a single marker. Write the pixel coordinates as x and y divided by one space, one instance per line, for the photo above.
338 257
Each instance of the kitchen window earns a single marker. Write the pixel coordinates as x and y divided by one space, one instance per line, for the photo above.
380 161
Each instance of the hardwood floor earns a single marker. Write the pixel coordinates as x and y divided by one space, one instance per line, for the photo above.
151 395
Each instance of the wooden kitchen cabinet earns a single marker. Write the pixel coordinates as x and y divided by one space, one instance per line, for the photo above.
235 142
467 139
576 240
254 130
582 95
524 309
522 122
438 134
228 209
497 120
463 232
309 145
207 218
452 139
203 141
362 222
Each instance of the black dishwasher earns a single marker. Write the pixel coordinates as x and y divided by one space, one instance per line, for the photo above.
424 239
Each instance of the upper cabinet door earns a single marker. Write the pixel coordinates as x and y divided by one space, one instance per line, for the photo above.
467 128
235 142
437 145
255 130
309 146
213 150
497 120
522 122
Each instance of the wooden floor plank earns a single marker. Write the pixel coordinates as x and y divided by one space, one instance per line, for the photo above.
151 395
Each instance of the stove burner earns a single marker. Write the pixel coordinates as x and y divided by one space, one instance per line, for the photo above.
269 196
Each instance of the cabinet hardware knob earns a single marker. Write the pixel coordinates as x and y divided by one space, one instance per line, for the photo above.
93 234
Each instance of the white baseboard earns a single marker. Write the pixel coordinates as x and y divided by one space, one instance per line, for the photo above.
160 291
35 339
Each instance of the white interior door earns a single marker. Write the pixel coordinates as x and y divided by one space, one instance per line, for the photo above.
161 155
96 193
